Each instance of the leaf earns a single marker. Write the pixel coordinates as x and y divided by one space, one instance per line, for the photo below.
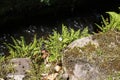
104 21
113 24
85 33
34 43
23 42
15 42
65 40
77 34
72 32
52 58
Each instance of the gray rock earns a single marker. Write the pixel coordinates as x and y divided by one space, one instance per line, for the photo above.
15 77
76 68
82 42
20 66
83 71
93 58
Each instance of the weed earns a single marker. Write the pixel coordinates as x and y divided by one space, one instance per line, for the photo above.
112 24
5 67
57 41
21 49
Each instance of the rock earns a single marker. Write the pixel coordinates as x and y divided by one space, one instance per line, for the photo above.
86 71
57 68
20 66
93 58
82 42
1 79
16 77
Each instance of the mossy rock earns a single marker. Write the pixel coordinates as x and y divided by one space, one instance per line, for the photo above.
97 59
20 67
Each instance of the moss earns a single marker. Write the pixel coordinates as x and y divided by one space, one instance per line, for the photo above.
106 56
70 57
76 55
110 46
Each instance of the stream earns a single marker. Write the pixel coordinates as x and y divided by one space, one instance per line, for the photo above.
77 20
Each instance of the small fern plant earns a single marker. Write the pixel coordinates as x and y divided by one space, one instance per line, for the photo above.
69 35
112 24
19 48
57 41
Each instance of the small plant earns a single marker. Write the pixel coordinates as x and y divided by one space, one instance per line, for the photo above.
112 24
69 35
5 67
54 46
35 72
57 41
3 72
21 49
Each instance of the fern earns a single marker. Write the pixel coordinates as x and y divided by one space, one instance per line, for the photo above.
57 41
114 23
19 48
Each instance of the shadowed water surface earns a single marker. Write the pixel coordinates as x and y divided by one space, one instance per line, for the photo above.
44 27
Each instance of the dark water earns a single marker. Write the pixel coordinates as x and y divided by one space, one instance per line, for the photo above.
44 27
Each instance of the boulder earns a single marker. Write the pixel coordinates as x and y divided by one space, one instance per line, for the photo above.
93 58
20 67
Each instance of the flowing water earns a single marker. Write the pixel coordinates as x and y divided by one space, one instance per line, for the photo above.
44 28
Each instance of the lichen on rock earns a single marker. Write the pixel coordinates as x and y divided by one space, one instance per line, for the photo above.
96 59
